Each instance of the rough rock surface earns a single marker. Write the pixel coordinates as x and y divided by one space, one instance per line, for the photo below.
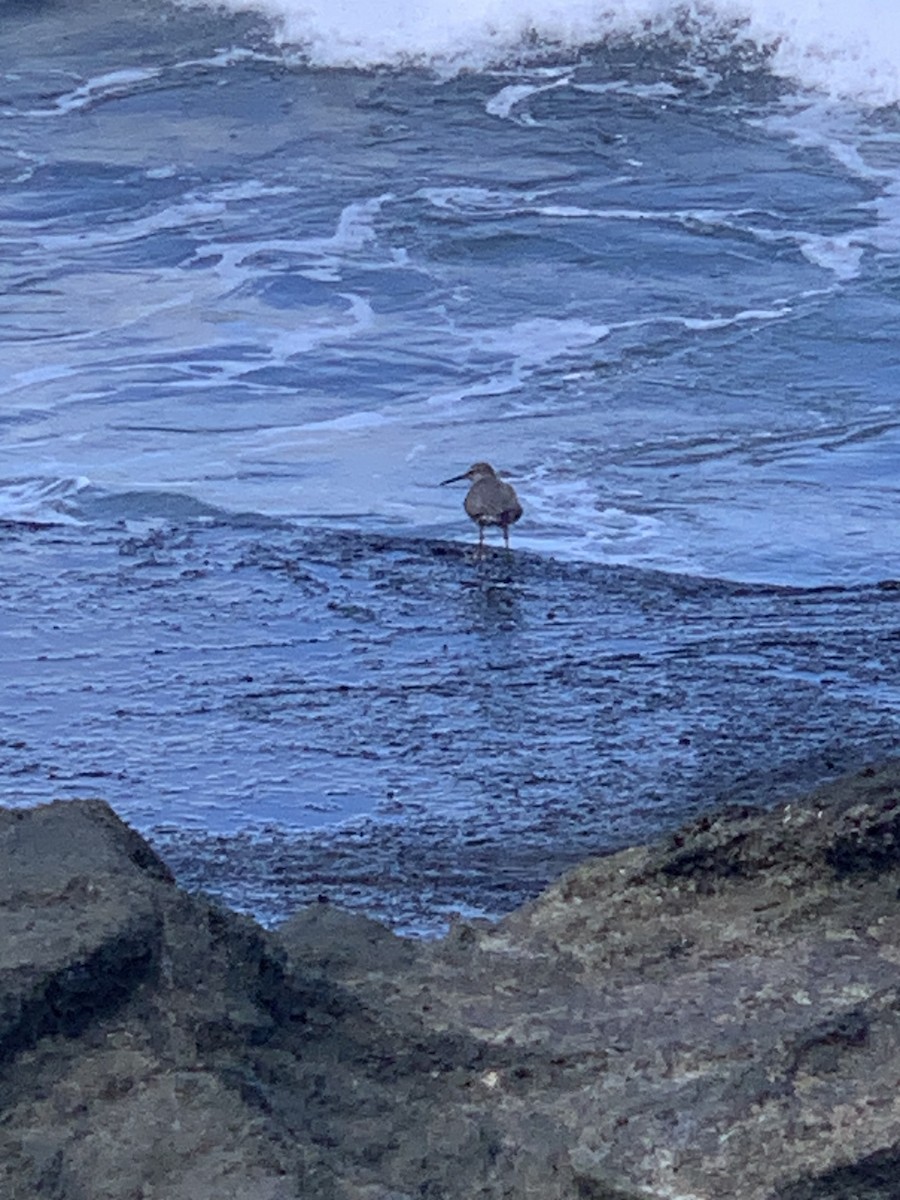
717 1016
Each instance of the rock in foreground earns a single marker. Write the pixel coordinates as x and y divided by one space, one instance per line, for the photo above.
716 1017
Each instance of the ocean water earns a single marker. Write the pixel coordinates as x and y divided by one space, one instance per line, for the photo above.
272 271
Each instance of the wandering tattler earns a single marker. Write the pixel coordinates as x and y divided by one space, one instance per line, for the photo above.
489 501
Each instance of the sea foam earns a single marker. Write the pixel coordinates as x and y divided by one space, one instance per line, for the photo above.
847 51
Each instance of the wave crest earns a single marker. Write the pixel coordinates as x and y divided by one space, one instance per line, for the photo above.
847 51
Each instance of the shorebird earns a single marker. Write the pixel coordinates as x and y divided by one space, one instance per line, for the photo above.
489 501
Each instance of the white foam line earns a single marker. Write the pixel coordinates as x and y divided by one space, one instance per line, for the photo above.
123 82
114 83
838 253
359 318
643 91
738 318
513 95
41 499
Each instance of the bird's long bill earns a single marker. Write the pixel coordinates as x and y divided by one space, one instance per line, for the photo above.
455 479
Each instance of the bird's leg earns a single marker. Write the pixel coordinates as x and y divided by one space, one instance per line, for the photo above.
480 540
505 528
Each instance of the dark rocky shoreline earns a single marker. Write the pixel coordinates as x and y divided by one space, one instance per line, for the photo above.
714 1016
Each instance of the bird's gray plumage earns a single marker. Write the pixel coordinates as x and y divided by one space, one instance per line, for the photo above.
490 500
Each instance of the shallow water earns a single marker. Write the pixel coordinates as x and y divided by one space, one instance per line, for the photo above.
386 722
256 304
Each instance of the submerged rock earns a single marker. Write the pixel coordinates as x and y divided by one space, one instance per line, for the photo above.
714 1016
